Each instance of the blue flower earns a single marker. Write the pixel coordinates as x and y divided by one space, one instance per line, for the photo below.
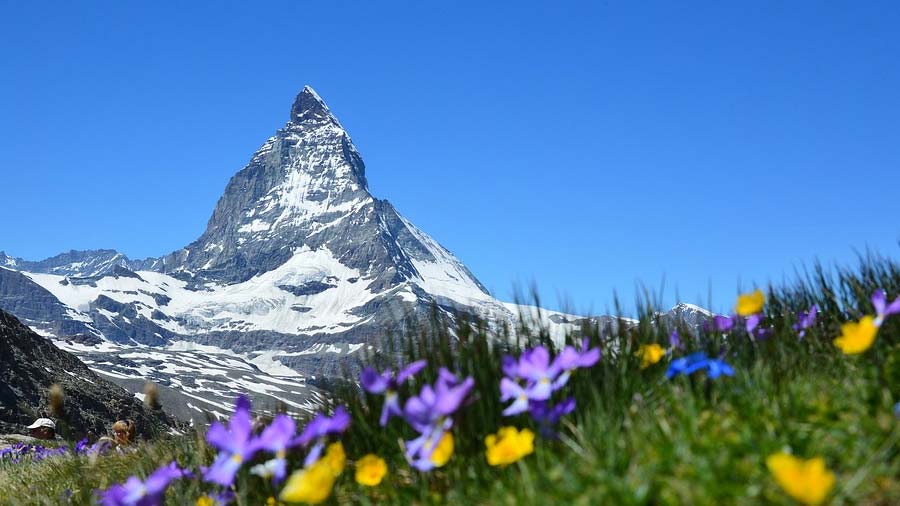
696 361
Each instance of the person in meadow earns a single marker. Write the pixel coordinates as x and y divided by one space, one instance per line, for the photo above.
124 432
43 428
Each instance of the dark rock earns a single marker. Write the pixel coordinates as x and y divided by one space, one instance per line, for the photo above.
31 364
308 288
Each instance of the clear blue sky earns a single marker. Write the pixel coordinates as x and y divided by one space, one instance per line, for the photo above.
586 146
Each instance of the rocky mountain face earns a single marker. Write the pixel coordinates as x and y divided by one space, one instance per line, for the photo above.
299 269
31 364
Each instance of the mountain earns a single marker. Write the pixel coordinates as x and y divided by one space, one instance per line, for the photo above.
74 263
300 267
31 364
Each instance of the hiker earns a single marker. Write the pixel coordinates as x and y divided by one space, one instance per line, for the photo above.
43 428
124 432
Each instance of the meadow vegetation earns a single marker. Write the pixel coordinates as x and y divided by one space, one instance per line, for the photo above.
764 416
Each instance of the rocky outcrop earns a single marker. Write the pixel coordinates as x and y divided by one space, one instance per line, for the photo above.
30 364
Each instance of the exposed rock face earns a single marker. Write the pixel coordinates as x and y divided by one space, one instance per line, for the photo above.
39 308
31 364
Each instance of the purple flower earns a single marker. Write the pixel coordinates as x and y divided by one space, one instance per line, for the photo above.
882 309
511 389
675 341
135 492
548 416
434 404
82 447
723 323
318 429
418 451
806 320
570 359
542 377
386 383
431 414
235 444
276 438
510 366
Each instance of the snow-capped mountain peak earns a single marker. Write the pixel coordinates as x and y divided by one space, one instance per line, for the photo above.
308 106
298 264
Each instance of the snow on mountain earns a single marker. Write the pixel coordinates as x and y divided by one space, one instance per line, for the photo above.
299 268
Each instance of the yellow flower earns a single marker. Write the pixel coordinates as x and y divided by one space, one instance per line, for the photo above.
857 337
508 445
272 502
650 354
750 303
806 481
205 500
370 470
310 485
443 451
336 458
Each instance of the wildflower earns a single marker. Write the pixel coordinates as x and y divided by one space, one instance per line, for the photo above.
897 410
857 337
430 413
687 365
806 481
675 341
235 444
508 445
724 323
882 309
312 484
318 430
276 438
434 404
717 367
548 416
430 450
336 458
806 320
698 361
135 492
752 324
386 383
444 450
220 499
541 376
570 359
510 389
750 303
650 354
81 447
534 366
370 470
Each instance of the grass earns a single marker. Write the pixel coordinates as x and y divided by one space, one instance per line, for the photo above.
636 437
